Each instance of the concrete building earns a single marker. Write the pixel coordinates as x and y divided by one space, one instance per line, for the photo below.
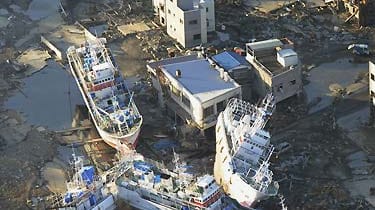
194 88
277 67
239 69
187 21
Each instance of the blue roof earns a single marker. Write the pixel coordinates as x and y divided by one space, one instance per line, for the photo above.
88 174
229 60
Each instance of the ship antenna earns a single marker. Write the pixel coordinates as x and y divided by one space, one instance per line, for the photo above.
177 162
282 202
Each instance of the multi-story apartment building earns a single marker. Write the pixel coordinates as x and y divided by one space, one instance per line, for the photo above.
194 88
187 21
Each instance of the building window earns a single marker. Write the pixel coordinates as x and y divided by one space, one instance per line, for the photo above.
280 88
372 93
372 77
169 11
162 8
186 101
197 36
182 22
208 111
175 91
293 82
206 9
193 22
220 106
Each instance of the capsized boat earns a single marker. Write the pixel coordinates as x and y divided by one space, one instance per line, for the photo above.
243 151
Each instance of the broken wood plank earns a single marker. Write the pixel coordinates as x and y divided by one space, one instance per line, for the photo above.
74 129
351 16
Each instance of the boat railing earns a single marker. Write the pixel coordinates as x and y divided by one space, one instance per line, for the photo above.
271 189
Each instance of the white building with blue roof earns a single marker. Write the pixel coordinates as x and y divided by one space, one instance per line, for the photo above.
194 87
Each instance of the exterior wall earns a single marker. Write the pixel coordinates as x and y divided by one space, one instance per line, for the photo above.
175 22
210 14
194 29
196 106
283 85
211 120
160 10
372 82
263 81
290 81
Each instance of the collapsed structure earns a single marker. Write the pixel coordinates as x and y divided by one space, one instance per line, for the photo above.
194 88
277 67
362 10
187 21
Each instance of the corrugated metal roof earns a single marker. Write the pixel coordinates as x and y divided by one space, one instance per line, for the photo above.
271 43
229 60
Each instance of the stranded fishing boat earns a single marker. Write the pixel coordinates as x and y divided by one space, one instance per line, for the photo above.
106 96
243 151
85 190
145 186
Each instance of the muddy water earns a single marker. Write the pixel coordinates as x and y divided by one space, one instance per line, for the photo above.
39 9
340 72
98 30
45 98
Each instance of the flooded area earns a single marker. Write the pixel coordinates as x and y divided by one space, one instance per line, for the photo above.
330 78
39 9
50 92
98 30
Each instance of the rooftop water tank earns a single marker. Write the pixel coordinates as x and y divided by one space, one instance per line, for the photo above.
287 57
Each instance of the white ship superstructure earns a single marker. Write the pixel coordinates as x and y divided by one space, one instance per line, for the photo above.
85 190
243 151
147 186
105 93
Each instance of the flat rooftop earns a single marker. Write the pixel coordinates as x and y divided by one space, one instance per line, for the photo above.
269 61
199 78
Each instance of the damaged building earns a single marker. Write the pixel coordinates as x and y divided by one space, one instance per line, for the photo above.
194 88
239 69
362 10
277 67
187 21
